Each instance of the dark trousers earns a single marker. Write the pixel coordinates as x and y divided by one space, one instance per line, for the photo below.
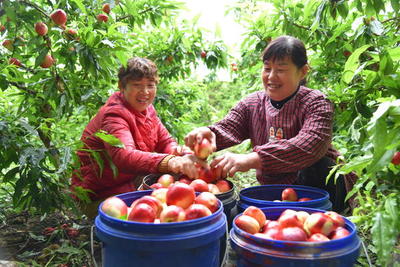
315 176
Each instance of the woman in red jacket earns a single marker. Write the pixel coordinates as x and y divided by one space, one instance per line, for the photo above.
128 115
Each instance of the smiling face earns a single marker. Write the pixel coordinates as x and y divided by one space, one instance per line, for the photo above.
139 93
282 77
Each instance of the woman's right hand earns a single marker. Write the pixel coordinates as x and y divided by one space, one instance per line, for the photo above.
185 164
197 135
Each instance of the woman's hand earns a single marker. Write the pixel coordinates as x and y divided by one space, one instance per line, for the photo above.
185 164
230 163
197 135
181 150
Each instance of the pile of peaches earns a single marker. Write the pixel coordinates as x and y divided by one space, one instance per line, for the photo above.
290 195
293 225
199 185
176 203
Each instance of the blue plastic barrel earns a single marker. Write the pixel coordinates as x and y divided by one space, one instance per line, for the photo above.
194 243
264 196
256 252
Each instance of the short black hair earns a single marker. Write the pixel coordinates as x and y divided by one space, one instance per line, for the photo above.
286 46
136 69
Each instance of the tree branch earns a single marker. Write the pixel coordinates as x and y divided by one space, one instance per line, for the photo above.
36 7
141 12
22 87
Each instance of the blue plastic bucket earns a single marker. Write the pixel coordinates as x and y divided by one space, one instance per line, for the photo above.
197 242
255 251
264 196
228 198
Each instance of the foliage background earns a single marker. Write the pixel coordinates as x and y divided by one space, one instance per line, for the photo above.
354 53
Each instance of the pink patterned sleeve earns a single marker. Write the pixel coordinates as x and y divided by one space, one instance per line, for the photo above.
233 129
304 149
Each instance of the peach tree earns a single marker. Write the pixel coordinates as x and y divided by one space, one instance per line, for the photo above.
58 65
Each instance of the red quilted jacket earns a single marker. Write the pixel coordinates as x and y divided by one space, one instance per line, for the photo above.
146 142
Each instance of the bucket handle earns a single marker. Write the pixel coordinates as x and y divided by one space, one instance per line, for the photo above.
226 248
366 253
92 246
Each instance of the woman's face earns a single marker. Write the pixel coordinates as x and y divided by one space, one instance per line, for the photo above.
281 78
139 93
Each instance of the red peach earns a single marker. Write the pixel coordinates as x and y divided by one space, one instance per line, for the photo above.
206 174
213 189
288 194
209 200
318 237
199 185
289 220
302 216
319 223
339 232
185 180
172 214
102 17
166 180
8 44
106 8
154 202
270 224
14 61
115 207
257 214
247 224
160 194
41 28
203 149
292 234
272 233
196 211
304 199
181 195
59 17
47 61
337 219
223 185
396 158
142 212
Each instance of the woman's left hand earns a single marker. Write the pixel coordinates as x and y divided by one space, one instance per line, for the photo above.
181 150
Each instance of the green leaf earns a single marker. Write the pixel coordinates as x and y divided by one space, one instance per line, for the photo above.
318 15
10 175
343 9
395 5
352 64
378 5
42 54
80 5
99 160
394 53
369 8
109 139
339 30
386 64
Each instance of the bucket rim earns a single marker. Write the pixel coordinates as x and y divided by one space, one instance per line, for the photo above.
324 193
126 223
350 226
